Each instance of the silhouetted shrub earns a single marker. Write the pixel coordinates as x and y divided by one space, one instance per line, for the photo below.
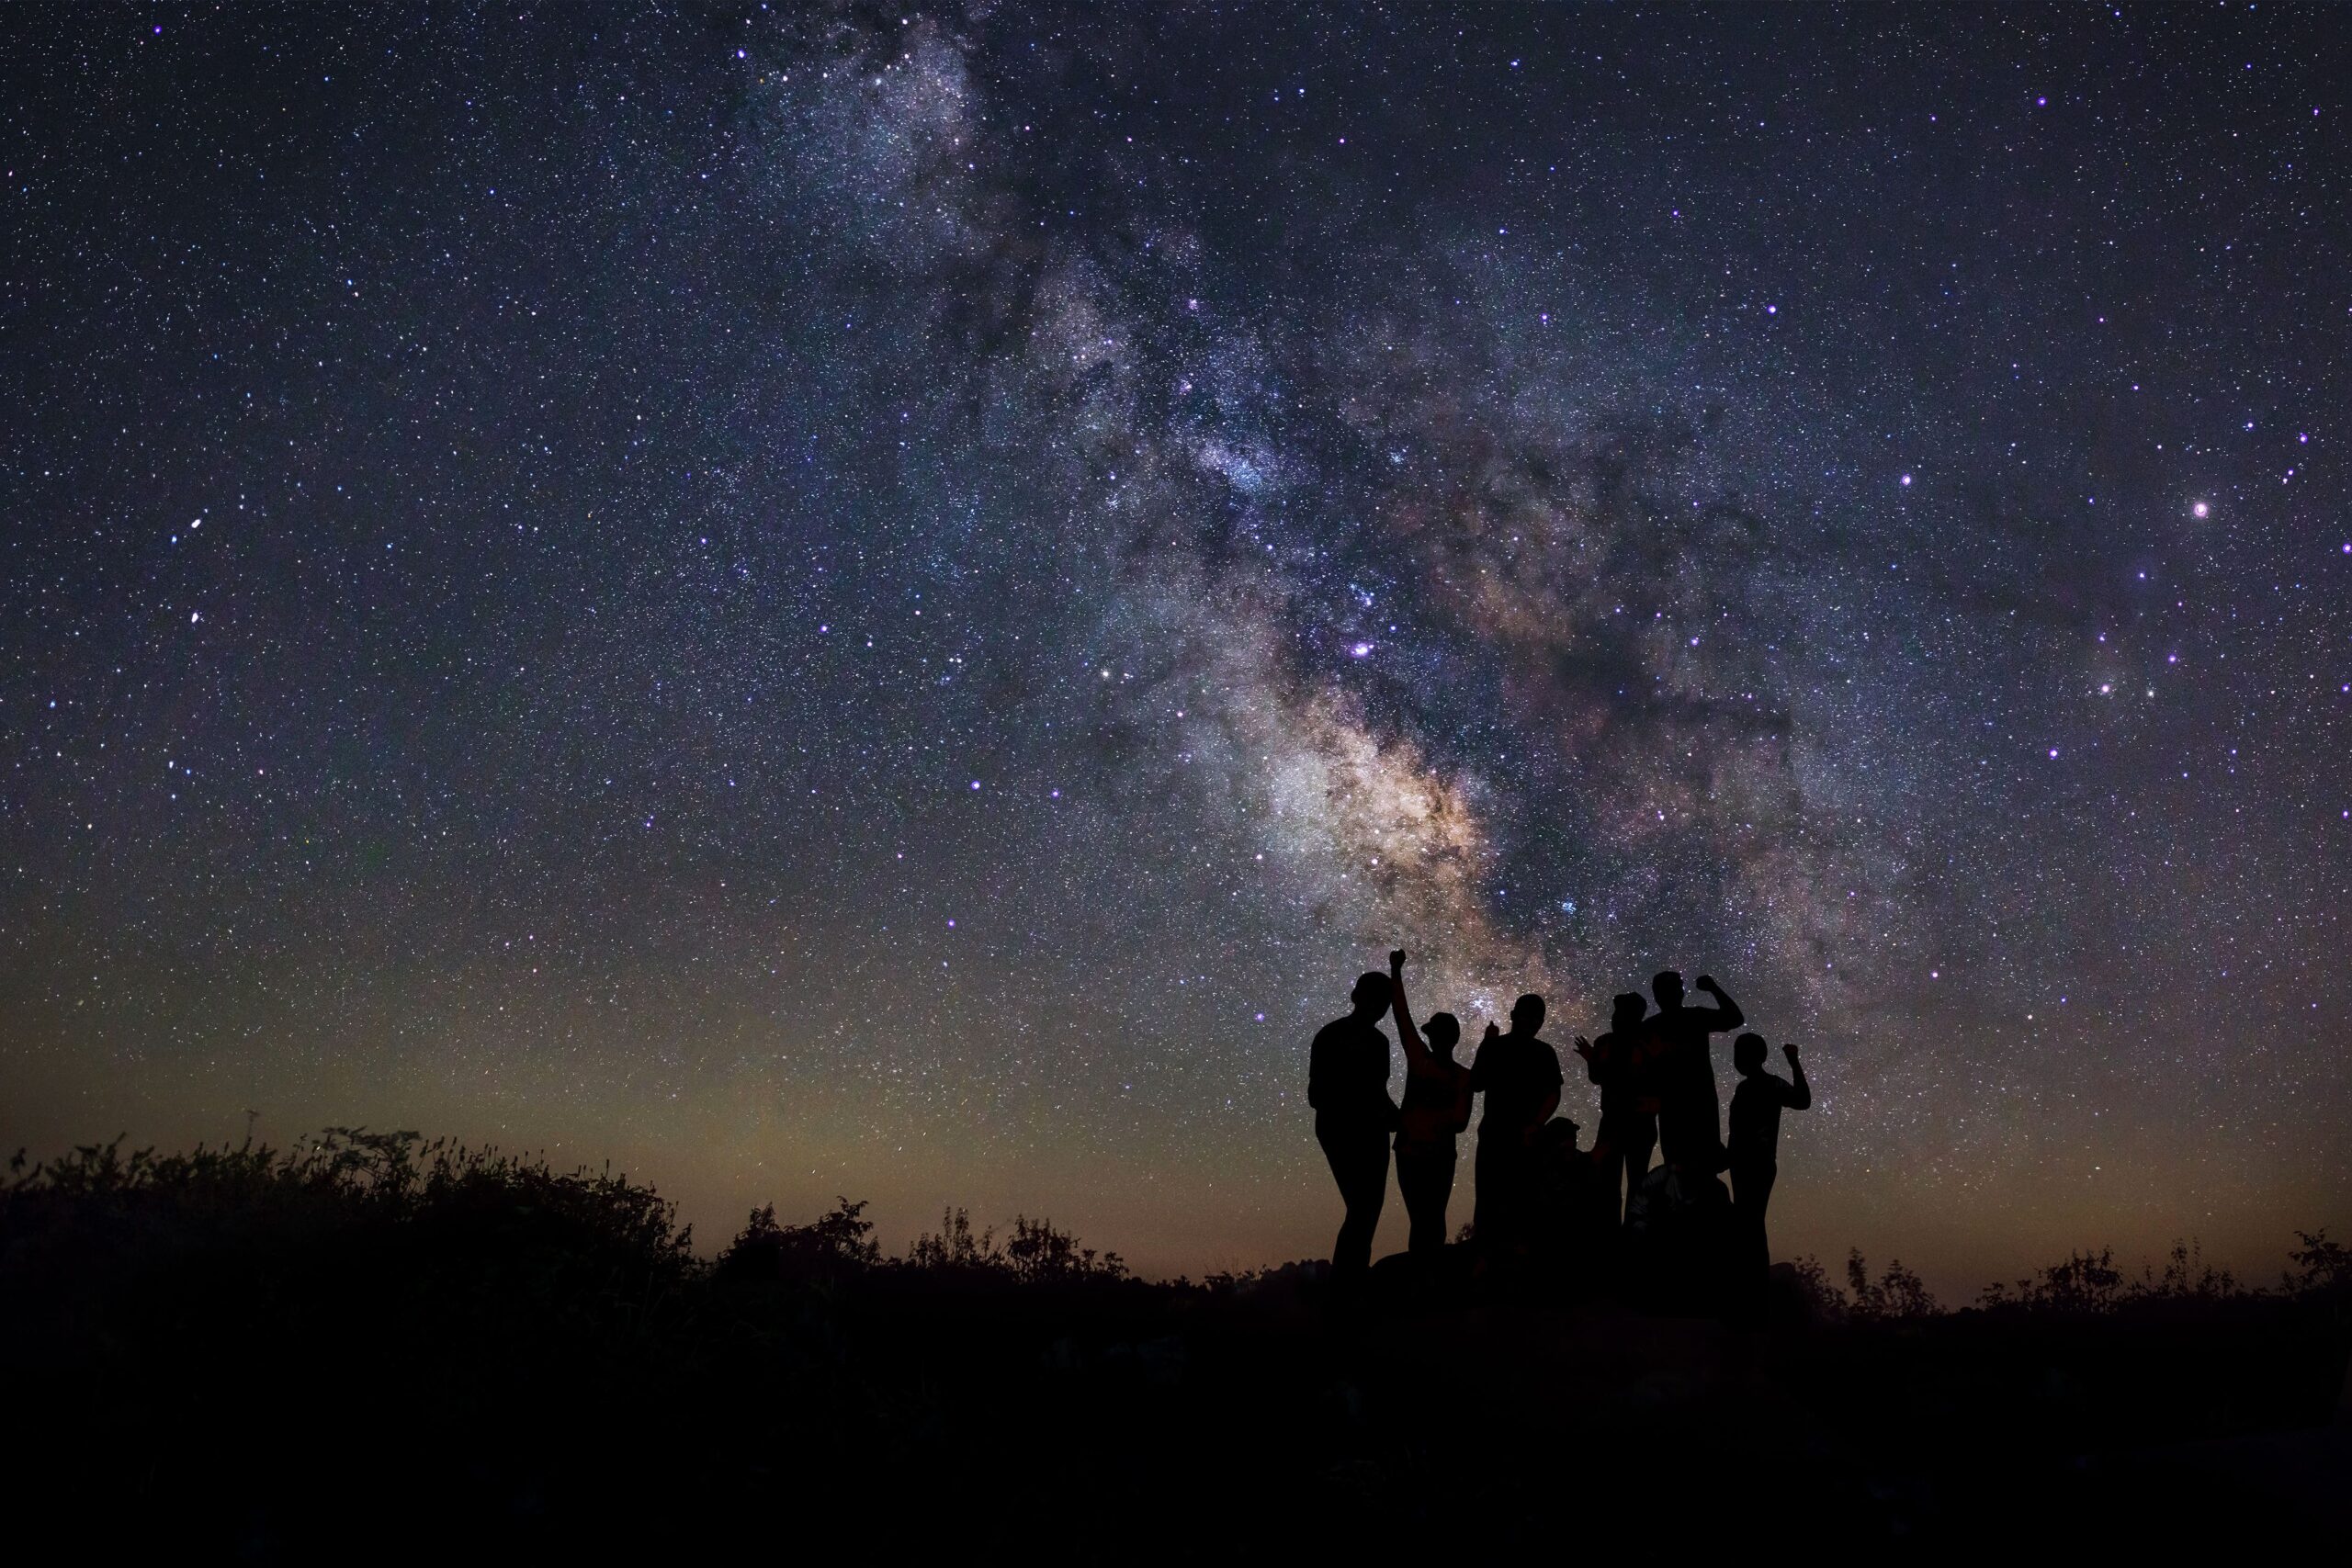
1039 1254
1816 1293
1034 1253
956 1249
97 1199
1897 1296
2087 1283
2186 1277
2083 1283
2323 1268
836 1243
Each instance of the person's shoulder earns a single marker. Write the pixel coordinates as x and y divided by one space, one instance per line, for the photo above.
1335 1030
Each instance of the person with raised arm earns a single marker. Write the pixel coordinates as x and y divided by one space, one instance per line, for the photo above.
1519 1075
1689 1120
1347 1085
1437 1106
1756 1106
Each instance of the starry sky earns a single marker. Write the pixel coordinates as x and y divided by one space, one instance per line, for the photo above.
892 600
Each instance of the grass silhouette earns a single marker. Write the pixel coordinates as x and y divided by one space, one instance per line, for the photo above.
371 1342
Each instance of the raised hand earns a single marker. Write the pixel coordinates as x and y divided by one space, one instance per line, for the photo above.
1707 984
1494 1032
1396 961
1584 1047
1790 1051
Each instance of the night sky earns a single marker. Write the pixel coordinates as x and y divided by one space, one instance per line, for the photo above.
894 602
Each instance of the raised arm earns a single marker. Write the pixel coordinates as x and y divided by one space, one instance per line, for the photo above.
1479 1070
1591 1061
1725 1014
1800 1092
1417 1050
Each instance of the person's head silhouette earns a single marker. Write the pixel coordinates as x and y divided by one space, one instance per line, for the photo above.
1443 1031
1628 1009
1370 995
1667 987
1527 1014
1748 1053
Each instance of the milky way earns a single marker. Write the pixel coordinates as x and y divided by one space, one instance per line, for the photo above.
893 603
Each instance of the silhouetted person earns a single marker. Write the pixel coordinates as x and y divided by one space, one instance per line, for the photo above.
1628 1111
1437 1106
1679 1240
1347 1083
1519 1076
1756 1106
1567 1212
1690 1116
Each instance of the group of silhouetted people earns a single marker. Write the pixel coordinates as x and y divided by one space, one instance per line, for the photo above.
1537 1195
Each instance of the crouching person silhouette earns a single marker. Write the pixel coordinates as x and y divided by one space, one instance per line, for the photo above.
1571 1219
1756 1106
1347 1083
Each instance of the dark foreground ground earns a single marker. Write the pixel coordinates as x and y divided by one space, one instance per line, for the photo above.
366 1348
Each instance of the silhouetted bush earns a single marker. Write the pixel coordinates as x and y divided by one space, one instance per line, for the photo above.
100 1208
2082 1282
1034 1253
956 1249
2323 1268
1039 1254
2186 1276
2086 1283
836 1243
1817 1295
1897 1296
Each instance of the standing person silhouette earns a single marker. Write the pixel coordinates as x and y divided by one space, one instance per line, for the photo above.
1347 1083
1689 1118
1519 1075
1628 1115
1756 1106
1437 1106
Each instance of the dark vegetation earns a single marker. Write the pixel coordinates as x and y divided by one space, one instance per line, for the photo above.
372 1343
